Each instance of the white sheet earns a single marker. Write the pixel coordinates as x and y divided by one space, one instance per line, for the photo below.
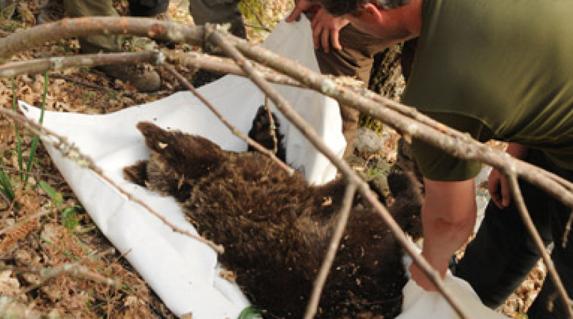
180 270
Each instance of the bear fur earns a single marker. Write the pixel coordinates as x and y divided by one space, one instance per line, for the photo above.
276 228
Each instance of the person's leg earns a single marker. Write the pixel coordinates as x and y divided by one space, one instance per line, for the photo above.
218 11
87 8
502 254
141 77
548 303
147 8
355 60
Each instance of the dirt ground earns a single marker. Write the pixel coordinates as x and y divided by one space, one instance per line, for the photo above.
54 262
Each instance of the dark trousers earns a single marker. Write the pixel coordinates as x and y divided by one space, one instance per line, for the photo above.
203 11
502 254
355 60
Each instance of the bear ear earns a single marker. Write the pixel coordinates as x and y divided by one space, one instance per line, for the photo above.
189 155
136 173
156 138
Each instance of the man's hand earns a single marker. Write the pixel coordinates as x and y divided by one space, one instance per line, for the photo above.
497 183
325 27
325 30
498 188
300 7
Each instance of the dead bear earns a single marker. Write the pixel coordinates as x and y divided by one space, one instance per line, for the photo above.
276 228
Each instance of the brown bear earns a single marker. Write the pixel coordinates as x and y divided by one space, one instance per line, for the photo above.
276 228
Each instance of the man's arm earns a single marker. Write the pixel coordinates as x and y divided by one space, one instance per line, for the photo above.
448 218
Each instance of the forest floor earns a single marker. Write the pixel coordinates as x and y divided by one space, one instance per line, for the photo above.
44 231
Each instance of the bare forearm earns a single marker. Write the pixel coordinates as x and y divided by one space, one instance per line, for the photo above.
448 218
442 238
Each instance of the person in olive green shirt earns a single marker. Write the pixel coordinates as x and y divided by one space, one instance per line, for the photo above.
494 69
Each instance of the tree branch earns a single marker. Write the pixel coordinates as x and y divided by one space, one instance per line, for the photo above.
283 105
410 122
320 280
86 60
81 27
226 66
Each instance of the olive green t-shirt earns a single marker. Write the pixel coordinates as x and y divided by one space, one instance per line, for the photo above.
498 69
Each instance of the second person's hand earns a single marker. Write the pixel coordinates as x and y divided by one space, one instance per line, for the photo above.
326 30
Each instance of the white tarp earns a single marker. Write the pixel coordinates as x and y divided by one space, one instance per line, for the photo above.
180 270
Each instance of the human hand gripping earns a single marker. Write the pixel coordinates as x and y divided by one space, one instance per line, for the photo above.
498 185
326 30
325 27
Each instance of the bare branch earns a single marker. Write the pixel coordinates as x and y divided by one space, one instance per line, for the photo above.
73 269
81 27
344 214
517 195
567 231
225 65
86 60
272 126
228 124
411 123
312 136
71 152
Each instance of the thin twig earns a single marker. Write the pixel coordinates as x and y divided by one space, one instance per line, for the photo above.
23 221
283 105
518 196
567 231
86 60
228 124
71 152
73 269
320 280
225 66
272 126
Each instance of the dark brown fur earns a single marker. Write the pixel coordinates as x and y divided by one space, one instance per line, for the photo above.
276 228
